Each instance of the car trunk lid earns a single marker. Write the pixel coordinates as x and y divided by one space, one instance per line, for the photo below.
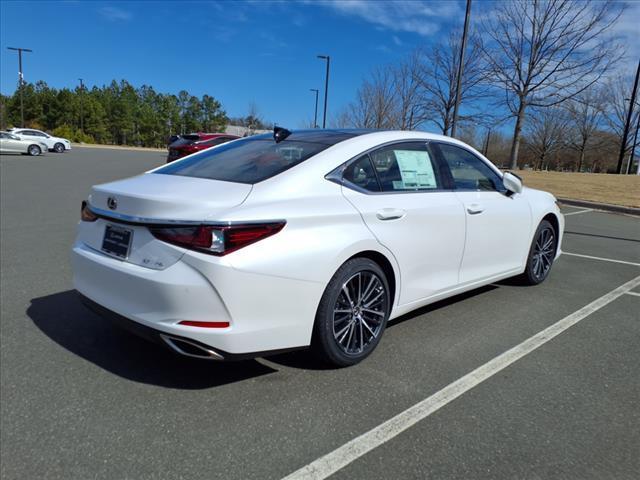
128 207
158 198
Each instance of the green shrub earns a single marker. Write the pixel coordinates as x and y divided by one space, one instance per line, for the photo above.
65 131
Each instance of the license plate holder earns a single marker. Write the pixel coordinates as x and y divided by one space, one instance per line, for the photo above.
117 241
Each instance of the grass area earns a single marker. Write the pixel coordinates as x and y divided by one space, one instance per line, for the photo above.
595 187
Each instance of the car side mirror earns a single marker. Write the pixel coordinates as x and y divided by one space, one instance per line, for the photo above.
512 182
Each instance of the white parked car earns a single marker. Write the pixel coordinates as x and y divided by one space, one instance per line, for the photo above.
10 143
311 238
54 144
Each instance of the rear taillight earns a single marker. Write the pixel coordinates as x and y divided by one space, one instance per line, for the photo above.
86 215
216 240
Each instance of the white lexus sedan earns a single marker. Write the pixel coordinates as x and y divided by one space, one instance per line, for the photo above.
54 144
306 238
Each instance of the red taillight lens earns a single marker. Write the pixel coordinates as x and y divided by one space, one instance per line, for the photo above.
216 240
194 323
86 215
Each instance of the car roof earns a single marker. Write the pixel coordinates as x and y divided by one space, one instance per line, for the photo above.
316 135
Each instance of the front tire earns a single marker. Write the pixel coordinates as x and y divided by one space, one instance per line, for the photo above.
34 150
541 254
58 148
352 314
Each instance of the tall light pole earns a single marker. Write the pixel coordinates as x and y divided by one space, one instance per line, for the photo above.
327 58
315 112
623 145
20 79
81 106
454 124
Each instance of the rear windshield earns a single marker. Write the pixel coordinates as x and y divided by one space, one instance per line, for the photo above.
179 142
250 160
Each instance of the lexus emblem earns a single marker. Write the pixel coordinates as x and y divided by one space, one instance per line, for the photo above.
112 203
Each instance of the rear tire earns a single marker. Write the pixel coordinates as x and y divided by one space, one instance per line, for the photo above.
541 254
34 150
58 148
352 314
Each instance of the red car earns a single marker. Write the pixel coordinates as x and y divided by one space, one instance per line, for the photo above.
188 144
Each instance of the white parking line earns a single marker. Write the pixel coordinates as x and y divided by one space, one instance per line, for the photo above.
612 260
586 210
356 448
635 294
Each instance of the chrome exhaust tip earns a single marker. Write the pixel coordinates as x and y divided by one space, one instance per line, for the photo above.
190 349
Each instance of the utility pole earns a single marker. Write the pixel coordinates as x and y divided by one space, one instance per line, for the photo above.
623 145
315 112
633 150
81 106
20 79
486 144
327 58
454 124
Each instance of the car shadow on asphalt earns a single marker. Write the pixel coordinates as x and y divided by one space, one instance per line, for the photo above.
66 321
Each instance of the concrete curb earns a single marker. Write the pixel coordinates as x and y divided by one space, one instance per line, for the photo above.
117 147
607 207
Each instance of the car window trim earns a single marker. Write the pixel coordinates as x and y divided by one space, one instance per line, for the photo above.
337 174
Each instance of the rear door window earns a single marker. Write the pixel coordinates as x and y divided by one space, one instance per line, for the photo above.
361 174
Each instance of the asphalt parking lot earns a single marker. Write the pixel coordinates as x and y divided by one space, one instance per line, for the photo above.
81 399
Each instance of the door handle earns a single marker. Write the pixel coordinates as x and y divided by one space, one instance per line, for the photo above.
390 214
475 209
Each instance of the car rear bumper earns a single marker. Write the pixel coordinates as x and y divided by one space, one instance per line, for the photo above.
175 343
265 313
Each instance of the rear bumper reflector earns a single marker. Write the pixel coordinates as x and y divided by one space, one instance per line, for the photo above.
192 323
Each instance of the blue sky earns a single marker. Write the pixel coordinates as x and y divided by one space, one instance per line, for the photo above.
239 52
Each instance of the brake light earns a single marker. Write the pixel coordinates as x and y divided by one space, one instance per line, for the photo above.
216 240
86 215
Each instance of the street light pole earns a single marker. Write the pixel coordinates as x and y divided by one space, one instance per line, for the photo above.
623 145
315 112
20 79
81 106
454 124
326 89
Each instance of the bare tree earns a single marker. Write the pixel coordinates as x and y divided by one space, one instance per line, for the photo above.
544 52
437 79
409 111
586 113
545 135
375 103
617 95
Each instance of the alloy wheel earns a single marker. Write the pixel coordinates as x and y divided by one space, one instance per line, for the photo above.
543 253
359 312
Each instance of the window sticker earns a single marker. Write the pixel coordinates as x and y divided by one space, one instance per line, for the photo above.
416 170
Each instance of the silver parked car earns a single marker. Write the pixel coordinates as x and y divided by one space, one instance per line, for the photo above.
10 143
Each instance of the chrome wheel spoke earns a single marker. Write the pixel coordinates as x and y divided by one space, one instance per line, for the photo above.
345 290
366 325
